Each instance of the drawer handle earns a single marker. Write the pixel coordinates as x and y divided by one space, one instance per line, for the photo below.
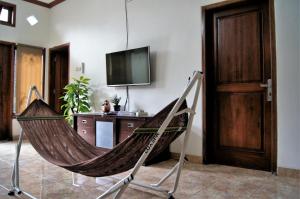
84 131
130 125
83 121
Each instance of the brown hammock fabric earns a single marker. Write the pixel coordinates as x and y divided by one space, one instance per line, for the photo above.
57 142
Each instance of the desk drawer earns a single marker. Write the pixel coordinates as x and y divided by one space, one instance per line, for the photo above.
88 134
126 128
124 135
130 125
85 122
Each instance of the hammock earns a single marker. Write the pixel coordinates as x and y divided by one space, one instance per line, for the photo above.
57 142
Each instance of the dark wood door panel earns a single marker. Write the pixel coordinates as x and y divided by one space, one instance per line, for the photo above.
58 75
237 61
58 79
243 159
6 82
61 77
238 45
240 87
241 120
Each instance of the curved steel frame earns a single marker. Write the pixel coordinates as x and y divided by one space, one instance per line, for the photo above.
122 184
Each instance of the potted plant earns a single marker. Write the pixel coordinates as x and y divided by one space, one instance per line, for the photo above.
76 98
116 100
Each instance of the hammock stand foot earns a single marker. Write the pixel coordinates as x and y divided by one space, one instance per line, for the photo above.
17 191
171 197
13 192
74 181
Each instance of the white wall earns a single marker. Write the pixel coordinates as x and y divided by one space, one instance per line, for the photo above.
288 76
173 30
24 33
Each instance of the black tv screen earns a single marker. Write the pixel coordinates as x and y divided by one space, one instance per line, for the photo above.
129 67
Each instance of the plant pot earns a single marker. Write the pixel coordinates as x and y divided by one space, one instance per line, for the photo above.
117 107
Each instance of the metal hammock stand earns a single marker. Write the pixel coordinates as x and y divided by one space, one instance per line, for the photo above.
121 185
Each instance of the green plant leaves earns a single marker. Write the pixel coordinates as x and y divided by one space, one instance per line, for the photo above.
116 100
76 98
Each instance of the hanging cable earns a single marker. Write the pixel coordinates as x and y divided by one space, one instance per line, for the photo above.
127 92
127 99
127 38
127 32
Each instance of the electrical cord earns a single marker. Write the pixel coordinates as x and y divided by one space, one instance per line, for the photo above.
127 40
127 98
127 32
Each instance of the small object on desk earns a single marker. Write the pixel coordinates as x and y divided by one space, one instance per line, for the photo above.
117 107
106 106
141 113
116 100
125 113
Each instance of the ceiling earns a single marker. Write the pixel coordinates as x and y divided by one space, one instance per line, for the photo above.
45 3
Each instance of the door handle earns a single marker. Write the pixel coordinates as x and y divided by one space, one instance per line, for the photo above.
264 85
268 86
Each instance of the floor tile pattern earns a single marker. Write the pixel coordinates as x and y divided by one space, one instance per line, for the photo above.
46 181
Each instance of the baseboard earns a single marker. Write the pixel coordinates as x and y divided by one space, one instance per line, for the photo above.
286 172
191 158
281 171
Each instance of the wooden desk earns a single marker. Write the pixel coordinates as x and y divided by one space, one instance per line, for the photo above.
109 130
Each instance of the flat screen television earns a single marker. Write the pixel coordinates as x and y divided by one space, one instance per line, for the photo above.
128 67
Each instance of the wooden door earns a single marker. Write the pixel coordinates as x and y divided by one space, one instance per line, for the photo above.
29 71
6 82
58 75
238 65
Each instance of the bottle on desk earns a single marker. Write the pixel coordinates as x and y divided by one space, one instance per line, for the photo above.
141 113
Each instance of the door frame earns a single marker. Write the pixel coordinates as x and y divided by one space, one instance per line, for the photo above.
53 49
11 85
205 48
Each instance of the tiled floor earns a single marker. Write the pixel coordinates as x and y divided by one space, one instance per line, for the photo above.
44 180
